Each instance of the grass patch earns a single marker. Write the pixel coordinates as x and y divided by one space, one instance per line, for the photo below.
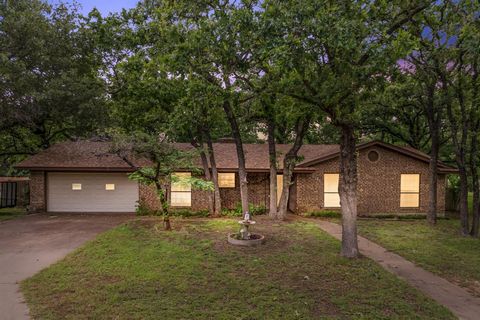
10 213
138 271
439 249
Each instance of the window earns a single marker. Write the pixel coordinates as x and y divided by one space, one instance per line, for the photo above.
331 198
181 191
76 186
279 187
110 186
226 180
373 156
410 190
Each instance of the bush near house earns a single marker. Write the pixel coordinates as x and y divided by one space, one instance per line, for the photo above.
254 210
323 214
10 213
143 210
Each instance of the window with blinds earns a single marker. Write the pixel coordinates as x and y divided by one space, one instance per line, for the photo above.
226 180
409 190
331 198
181 190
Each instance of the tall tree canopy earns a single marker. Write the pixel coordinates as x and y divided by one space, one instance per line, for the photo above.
49 85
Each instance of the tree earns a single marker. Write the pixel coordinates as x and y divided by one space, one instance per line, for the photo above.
196 119
49 88
460 84
209 41
164 161
333 55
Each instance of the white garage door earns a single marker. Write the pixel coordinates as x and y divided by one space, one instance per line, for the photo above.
91 192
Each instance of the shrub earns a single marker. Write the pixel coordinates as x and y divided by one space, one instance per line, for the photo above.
186 213
323 214
142 210
237 212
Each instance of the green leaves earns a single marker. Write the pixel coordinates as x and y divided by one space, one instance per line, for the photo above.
49 88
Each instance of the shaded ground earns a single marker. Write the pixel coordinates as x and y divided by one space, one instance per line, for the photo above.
441 249
31 243
138 271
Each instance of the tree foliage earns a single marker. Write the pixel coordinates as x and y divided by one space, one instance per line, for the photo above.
49 86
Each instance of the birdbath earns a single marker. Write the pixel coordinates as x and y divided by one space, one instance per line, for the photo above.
244 237
244 233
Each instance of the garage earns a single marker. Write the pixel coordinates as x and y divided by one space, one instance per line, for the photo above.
91 192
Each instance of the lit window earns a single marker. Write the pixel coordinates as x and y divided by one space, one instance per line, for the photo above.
279 187
410 190
226 180
76 186
181 191
110 186
331 198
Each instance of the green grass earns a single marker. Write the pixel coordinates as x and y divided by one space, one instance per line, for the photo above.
439 249
10 213
138 271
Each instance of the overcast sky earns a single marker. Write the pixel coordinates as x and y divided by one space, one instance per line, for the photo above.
104 6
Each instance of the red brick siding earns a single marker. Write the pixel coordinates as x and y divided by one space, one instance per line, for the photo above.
147 197
378 184
257 193
378 187
38 185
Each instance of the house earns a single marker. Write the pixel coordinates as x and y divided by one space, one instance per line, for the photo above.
83 176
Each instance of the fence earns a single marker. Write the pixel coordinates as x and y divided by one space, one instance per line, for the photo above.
8 194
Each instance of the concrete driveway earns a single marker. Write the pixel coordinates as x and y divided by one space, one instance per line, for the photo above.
33 242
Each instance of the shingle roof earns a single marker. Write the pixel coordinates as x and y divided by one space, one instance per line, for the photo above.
86 155
72 155
96 155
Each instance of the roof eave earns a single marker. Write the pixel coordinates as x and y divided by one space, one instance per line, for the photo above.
442 168
77 169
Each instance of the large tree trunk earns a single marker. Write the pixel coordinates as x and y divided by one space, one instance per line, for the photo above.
348 192
213 165
459 144
163 198
433 177
463 202
289 165
272 153
475 186
242 171
208 176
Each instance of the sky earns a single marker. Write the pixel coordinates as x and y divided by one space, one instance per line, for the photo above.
104 6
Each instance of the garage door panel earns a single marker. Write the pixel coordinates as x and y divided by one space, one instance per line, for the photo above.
92 197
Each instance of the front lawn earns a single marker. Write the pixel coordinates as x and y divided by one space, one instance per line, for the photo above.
439 249
138 271
10 213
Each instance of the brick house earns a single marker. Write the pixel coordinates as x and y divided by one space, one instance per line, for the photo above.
83 176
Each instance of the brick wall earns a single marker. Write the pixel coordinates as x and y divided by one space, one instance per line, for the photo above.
378 187
147 197
258 194
37 192
378 184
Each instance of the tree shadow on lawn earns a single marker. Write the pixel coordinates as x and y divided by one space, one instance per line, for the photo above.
139 271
